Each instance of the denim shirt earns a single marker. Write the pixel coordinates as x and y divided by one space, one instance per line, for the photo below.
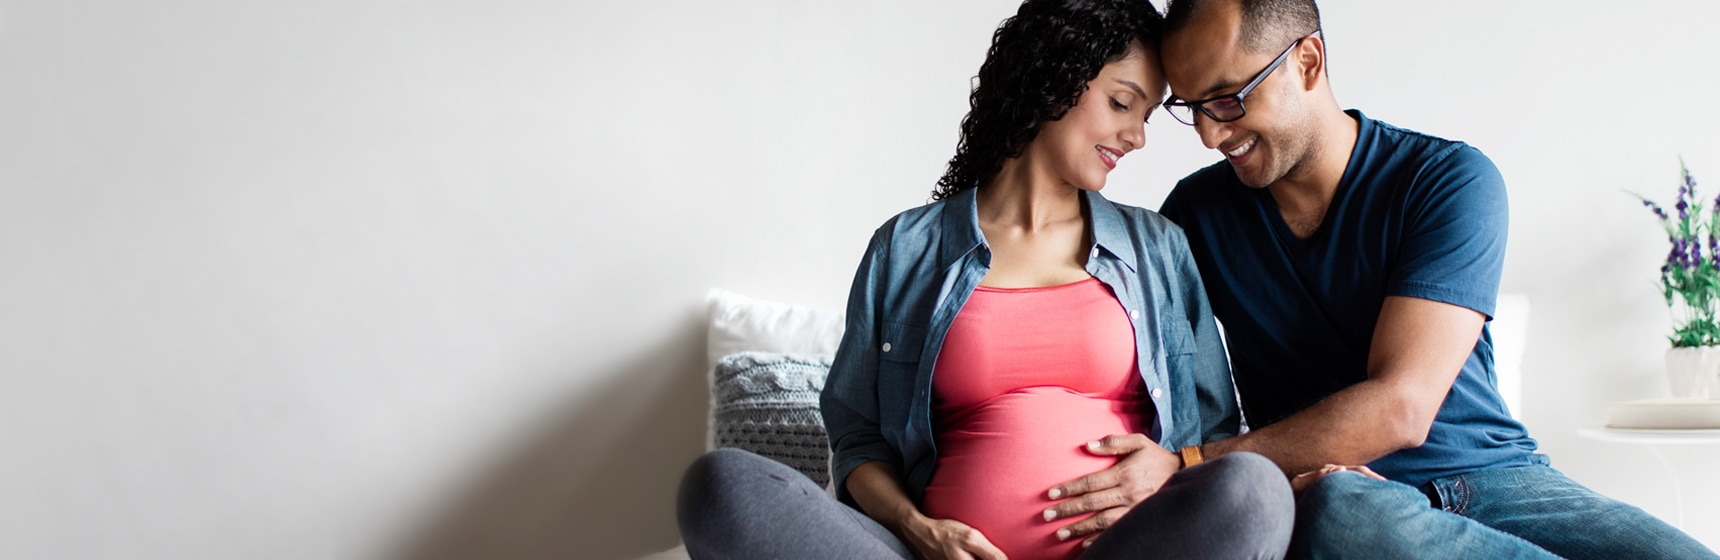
919 270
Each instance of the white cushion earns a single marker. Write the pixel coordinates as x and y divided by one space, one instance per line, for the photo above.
742 324
1510 334
738 324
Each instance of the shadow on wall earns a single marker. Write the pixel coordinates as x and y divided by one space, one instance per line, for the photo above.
632 438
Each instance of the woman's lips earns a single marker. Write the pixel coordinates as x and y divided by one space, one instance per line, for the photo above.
1109 156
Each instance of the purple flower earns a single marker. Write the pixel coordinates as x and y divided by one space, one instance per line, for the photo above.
1655 207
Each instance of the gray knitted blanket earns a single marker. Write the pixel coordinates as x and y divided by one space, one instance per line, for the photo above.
768 404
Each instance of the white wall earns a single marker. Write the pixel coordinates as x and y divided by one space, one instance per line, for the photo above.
367 279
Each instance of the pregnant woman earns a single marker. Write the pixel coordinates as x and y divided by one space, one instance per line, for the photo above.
1028 369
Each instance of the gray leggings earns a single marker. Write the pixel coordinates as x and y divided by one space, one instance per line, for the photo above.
737 505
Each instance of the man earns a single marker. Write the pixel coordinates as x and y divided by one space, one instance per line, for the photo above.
1354 266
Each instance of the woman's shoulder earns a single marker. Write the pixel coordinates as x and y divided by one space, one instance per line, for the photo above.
913 228
1141 222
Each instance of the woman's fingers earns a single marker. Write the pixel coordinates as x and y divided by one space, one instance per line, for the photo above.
980 548
953 540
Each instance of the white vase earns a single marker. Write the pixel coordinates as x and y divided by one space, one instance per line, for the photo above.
1694 371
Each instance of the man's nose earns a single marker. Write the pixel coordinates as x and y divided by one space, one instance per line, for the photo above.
1212 133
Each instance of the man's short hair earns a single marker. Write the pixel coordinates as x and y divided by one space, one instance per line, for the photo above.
1267 25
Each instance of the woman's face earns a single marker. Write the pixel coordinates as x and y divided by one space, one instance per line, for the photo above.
1107 122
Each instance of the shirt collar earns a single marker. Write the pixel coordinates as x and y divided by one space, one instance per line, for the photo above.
1110 230
962 234
960 227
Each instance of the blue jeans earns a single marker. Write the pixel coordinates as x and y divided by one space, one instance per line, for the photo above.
1523 512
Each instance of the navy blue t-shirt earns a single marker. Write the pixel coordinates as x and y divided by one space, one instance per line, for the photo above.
1414 216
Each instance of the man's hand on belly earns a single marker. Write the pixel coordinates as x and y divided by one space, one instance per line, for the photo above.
1111 493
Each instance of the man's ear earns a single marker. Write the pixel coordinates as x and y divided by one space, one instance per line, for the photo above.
1310 59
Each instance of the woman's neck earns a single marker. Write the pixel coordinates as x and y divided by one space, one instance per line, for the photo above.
1024 199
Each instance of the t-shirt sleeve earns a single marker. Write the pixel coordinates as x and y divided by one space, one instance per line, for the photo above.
1452 248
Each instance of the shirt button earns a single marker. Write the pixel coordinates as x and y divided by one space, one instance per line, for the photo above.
1158 392
1095 253
886 347
1134 314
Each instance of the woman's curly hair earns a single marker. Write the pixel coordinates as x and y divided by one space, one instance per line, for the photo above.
1038 66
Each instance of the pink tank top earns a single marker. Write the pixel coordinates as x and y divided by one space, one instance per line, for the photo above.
1025 379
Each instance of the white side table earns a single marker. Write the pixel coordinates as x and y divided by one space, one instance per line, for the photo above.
1652 439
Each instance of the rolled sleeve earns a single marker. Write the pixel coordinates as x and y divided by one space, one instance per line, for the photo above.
850 398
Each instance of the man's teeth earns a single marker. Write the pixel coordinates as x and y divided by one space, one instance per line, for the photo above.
1243 149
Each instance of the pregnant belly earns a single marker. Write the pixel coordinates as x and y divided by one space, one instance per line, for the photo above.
997 460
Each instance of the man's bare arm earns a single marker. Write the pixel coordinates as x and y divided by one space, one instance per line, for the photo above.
1419 347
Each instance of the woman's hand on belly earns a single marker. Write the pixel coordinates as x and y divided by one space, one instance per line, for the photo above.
941 539
1111 493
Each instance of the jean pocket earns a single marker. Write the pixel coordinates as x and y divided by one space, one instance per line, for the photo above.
1455 494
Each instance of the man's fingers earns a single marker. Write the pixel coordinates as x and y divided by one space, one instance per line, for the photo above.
1087 503
1304 480
1091 483
1367 471
1098 522
1119 444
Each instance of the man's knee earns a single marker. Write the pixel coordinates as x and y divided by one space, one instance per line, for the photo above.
1351 495
1347 506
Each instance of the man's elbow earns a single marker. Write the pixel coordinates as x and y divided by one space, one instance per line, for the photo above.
1410 419
1408 436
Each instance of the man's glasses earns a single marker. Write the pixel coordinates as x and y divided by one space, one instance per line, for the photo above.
1226 108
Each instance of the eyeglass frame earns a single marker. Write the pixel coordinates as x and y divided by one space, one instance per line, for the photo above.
1200 106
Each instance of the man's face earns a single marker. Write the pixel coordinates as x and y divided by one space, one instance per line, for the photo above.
1207 60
